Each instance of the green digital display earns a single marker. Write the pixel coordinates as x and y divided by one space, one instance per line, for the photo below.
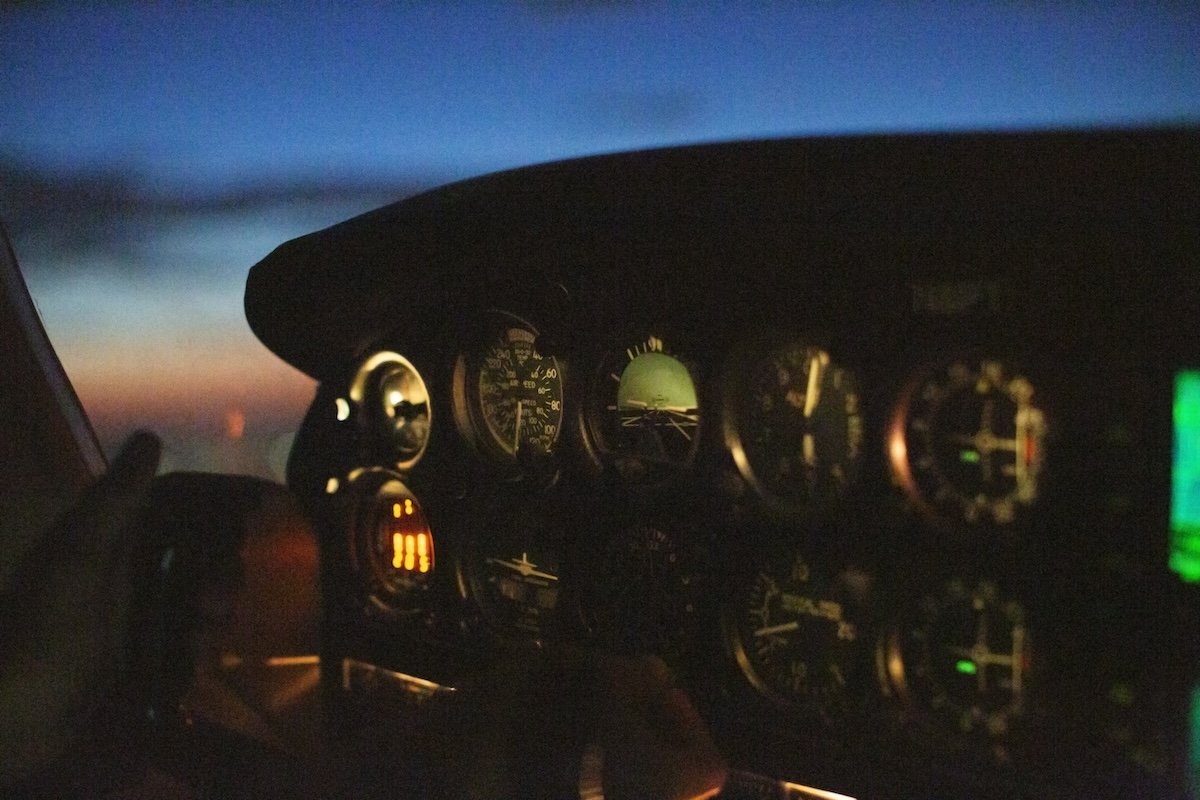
1194 750
1185 478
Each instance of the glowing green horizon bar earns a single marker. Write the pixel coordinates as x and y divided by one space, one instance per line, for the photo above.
969 457
1185 479
966 667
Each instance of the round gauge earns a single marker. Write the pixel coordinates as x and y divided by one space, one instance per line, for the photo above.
647 605
396 405
513 576
510 397
968 441
961 658
798 636
793 425
394 552
645 415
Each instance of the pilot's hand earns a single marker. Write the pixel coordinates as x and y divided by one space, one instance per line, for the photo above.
522 730
654 744
63 617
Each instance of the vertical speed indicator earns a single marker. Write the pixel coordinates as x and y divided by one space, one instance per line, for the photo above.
797 632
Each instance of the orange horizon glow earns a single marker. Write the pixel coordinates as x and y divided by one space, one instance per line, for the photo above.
225 388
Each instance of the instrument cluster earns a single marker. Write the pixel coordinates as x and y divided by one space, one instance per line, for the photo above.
870 440
711 507
775 418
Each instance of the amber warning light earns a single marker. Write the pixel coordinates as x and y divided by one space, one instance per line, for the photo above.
411 539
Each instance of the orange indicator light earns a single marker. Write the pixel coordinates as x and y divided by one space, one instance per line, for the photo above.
405 541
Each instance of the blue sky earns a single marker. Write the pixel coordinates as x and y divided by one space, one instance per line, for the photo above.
242 92
150 153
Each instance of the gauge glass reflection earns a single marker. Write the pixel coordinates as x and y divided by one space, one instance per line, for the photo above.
396 403
794 426
405 406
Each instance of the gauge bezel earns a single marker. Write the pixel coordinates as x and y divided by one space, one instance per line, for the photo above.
742 363
364 393
467 402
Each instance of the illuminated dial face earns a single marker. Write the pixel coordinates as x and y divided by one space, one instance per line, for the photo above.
795 426
395 549
961 658
514 576
648 416
800 637
969 442
520 393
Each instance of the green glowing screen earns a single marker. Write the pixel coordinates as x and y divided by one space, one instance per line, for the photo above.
1194 750
1185 478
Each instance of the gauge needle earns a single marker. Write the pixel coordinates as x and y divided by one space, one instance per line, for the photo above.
813 393
981 655
517 426
679 428
524 566
985 442
771 630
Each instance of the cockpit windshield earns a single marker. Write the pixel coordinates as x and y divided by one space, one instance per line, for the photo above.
150 153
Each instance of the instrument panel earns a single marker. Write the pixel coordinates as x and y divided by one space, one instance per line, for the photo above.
829 545
894 509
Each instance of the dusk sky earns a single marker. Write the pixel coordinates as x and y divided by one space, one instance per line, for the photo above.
149 155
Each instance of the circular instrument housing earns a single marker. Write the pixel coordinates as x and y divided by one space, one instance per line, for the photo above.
395 406
968 440
650 603
393 545
793 424
800 634
508 397
960 659
512 572
644 411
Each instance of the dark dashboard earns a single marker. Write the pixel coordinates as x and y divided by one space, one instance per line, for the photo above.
876 441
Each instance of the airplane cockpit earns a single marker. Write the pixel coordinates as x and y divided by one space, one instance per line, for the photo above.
887 446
